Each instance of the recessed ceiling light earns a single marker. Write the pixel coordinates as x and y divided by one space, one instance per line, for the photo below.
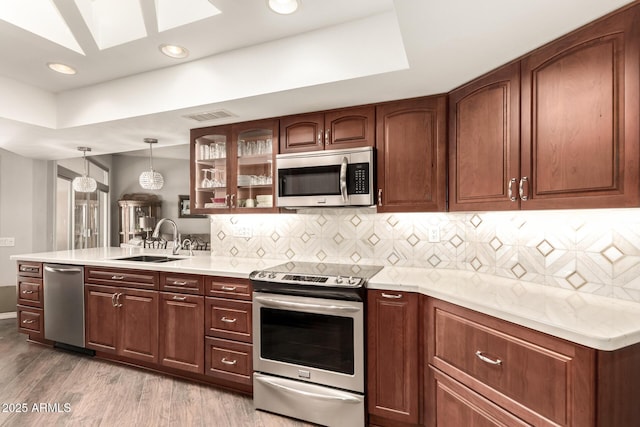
61 68
283 7
174 51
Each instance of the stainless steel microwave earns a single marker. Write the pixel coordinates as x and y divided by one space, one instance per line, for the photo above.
326 178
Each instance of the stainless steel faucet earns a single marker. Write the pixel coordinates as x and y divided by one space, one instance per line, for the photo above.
176 234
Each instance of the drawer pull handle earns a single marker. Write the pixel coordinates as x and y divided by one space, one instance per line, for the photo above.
117 277
177 298
229 288
29 269
488 360
27 292
28 321
228 362
391 296
227 320
177 283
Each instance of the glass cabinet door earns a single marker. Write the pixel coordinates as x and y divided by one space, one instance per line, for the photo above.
210 171
255 144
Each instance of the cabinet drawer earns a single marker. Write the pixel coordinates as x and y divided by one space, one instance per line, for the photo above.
142 279
30 320
229 360
30 269
182 283
535 376
228 319
227 287
456 405
30 291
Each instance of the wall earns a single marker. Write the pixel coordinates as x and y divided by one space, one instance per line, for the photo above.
594 251
26 197
125 173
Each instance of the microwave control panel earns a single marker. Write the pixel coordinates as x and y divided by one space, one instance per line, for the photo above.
358 178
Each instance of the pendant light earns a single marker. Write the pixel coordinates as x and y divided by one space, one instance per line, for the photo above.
151 180
84 183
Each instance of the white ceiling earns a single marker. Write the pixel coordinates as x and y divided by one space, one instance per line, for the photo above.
256 64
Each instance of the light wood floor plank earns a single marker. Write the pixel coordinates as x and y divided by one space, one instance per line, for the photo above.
107 394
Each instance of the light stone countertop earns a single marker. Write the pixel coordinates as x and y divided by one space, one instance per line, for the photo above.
591 320
200 263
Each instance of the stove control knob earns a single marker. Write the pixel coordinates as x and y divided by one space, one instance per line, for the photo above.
353 280
272 275
261 274
339 280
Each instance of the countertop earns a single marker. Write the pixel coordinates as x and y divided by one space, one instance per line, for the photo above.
593 321
201 263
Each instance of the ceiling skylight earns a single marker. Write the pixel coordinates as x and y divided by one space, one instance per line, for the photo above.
112 22
172 13
40 18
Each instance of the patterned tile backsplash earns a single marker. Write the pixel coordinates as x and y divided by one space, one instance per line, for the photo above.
594 251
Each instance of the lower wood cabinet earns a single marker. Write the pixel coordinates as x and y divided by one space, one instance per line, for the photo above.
394 385
122 321
31 321
229 360
181 331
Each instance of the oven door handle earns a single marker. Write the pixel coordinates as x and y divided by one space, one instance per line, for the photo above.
275 383
278 303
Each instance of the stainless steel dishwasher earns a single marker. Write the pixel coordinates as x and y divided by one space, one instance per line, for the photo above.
64 304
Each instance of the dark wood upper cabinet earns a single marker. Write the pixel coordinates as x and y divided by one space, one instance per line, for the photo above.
579 123
411 139
344 128
484 142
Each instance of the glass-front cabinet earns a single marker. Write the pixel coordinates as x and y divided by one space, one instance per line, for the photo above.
232 167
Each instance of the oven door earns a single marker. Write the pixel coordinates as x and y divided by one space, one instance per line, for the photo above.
309 339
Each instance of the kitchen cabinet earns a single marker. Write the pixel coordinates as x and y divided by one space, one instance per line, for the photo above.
579 127
330 130
29 292
411 148
231 167
486 371
228 329
484 142
122 321
182 331
393 379
557 129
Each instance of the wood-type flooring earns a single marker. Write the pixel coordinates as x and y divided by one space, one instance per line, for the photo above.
41 386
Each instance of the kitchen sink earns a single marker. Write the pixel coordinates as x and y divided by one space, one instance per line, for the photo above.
148 258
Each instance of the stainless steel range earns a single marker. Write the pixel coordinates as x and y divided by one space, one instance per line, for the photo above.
308 354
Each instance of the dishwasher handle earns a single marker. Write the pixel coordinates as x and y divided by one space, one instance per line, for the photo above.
62 269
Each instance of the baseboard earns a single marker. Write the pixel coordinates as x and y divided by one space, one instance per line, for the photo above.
10 315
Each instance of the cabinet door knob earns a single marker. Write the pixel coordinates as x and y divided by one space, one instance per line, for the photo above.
228 362
523 180
490 361
228 320
510 184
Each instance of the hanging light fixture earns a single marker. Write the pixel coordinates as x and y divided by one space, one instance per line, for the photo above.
151 180
84 183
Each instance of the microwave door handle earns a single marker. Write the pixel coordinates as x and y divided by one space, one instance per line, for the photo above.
343 179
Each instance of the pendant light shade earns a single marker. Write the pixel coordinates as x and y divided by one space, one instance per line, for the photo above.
84 183
151 180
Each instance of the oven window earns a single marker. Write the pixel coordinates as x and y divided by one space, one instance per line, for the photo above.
313 340
309 181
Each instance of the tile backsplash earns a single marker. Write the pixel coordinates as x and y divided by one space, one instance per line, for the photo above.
594 251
